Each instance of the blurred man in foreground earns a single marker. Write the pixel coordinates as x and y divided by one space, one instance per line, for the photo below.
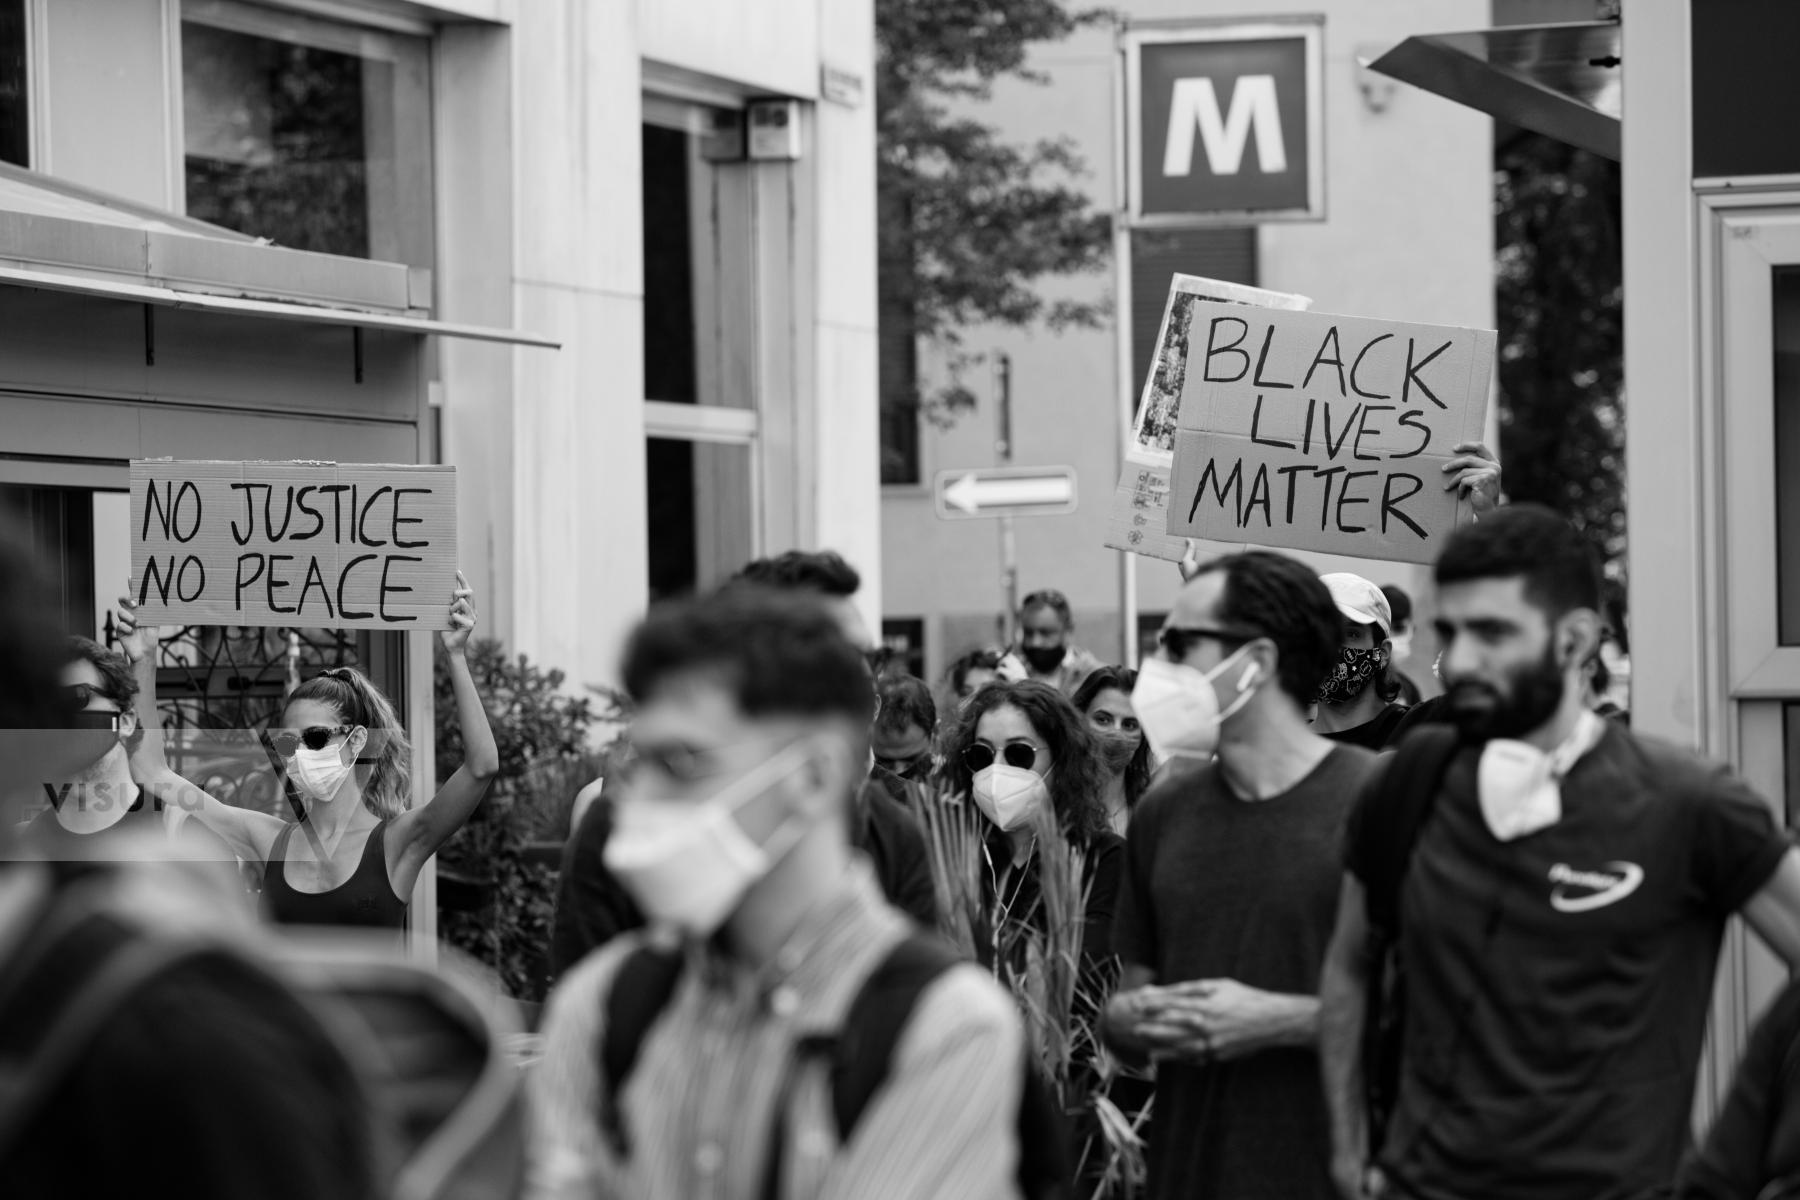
713 1052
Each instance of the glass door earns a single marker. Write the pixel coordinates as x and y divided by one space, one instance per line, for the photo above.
1748 437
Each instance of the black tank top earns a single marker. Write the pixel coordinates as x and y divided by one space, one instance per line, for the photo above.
366 898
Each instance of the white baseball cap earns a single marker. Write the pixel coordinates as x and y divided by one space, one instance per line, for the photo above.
1359 600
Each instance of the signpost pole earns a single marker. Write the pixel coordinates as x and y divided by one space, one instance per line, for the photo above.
1128 590
1009 552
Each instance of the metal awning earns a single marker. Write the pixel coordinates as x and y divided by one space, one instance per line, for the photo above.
1558 80
278 310
64 237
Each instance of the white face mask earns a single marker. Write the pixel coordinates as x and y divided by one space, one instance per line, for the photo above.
1402 643
1520 787
1009 795
688 865
1178 710
320 773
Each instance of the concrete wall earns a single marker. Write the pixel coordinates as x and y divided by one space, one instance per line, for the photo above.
1408 235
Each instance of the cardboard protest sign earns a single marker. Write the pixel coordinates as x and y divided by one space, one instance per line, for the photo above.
346 546
1140 504
1318 432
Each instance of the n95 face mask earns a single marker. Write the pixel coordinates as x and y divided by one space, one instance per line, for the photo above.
688 865
1009 796
1178 710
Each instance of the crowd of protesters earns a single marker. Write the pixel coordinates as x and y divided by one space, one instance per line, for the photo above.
1253 920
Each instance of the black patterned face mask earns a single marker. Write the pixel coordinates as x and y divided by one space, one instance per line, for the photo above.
1351 674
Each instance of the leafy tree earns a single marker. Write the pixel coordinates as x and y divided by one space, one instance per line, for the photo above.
1560 308
969 222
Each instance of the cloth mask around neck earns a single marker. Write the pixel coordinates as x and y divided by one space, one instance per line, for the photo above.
688 865
320 773
1520 786
1009 796
1178 710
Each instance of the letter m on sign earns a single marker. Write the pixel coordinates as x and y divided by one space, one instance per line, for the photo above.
1226 123
1194 106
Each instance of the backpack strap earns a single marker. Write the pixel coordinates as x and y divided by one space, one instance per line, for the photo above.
863 1053
640 990
1396 812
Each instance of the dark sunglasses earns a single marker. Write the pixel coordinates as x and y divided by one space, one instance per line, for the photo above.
1177 640
980 757
900 766
313 737
80 695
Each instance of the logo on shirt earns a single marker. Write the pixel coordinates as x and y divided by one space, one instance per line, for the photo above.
1584 891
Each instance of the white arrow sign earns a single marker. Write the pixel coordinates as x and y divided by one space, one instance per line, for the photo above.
1006 492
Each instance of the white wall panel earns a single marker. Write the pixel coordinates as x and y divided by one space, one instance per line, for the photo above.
770 44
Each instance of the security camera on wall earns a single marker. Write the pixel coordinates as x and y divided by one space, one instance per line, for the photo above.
775 130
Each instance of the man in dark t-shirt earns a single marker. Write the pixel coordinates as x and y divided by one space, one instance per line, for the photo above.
1231 882
1559 917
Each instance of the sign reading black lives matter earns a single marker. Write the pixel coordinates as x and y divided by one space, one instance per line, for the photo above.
335 545
1311 431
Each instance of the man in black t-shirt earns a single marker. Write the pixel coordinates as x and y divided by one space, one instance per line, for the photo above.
1231 884
1560 915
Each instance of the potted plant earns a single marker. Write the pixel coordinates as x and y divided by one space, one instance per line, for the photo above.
497 876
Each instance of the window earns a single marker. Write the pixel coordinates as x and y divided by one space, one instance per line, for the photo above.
904 640
1148 626
899 360
701 521
312 134
699 297
700 359
1785 302
15 108
1227 254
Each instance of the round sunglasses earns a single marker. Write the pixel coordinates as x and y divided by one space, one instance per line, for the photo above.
1019 754
314 737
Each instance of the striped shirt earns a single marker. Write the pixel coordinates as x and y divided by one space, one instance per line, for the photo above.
699 1103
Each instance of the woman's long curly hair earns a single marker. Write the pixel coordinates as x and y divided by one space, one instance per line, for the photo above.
1077 775
1123 679
384 766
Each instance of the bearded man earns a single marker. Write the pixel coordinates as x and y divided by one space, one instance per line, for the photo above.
1559 915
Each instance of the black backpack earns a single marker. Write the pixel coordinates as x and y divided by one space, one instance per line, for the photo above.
1396 812
860 1056
421 1053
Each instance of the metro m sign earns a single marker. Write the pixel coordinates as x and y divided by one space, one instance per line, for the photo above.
1225 123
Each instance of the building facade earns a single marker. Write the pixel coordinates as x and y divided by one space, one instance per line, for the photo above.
615 262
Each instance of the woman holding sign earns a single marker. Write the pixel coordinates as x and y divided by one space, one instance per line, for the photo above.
355 855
